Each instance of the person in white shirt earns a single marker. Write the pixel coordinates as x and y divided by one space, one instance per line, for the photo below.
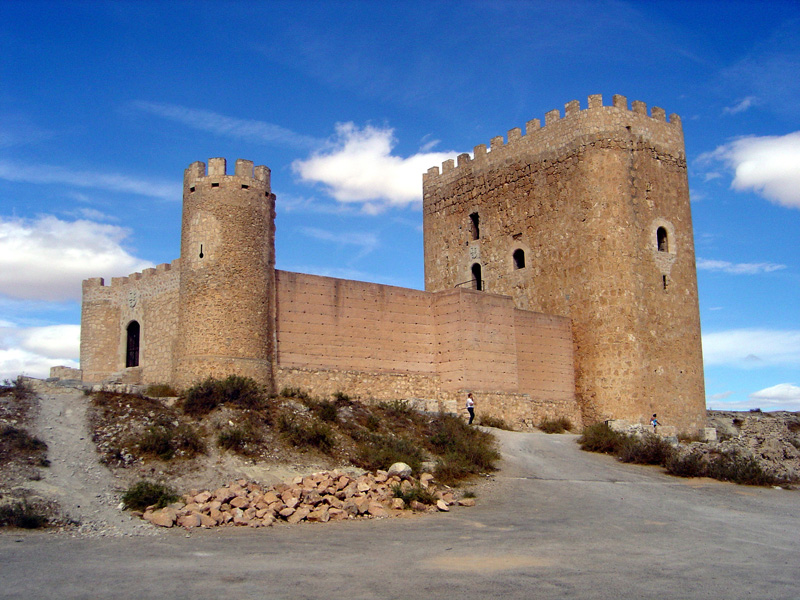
470 407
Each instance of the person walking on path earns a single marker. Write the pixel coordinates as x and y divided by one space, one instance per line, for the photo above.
654 422
470 407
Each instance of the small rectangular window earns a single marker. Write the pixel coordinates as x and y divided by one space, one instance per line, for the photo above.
215 185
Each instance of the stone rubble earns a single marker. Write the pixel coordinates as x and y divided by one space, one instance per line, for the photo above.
318 498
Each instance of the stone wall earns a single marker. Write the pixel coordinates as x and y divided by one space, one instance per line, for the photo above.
149 298
377 342
583 199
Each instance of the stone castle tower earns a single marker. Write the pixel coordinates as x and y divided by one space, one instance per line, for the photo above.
587 217
226 306
559 273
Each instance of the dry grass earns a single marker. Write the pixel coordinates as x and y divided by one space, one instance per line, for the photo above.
559 425
133 430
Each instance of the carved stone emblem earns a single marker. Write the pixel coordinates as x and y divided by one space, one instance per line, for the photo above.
474 252
132 298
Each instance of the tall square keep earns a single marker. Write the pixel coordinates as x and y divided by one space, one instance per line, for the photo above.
587 217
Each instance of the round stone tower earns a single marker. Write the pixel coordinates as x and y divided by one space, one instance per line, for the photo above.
226 315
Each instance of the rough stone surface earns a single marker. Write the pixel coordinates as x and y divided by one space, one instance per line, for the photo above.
589 218
400 469
247 504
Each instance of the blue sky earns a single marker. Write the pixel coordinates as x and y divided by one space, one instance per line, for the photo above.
104 104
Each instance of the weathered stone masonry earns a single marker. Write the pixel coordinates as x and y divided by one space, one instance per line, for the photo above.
587 217
581 235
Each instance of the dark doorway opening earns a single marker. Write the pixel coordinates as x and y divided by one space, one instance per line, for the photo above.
477 282
132 351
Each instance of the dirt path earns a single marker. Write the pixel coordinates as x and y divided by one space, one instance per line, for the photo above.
84 488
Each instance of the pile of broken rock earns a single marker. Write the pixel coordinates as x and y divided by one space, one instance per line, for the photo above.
321 497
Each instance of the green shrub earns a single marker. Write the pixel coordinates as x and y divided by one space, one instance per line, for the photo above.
732 466
496 422
156 441
160 390
14 439
242 440
414 493
396 408
22 515
19 388
326 411
235 390
740 468
692 464
601 438
647 450
463 450
470 494
307 435
148 493
290 392
341 398
559 425
165 439
376 451
373 422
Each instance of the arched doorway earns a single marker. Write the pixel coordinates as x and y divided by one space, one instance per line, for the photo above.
132 347
477 281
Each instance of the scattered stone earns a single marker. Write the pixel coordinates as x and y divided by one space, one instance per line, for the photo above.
319 498
400 469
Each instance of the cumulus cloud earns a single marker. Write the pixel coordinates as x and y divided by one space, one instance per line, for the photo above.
47 258
33 350
751 348
783 394
741 106
114 182
250 130
767 165
359 166
737 268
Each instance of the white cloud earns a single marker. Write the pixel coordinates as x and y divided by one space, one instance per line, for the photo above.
12 171
359 167
244 129
704 264
741 106
53 341
767 165
783 394
32 351
47 258
749 348
720 396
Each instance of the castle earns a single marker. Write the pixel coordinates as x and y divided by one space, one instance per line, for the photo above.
560 280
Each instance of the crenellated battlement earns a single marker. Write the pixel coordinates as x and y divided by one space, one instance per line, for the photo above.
615 121
147 274
244 175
